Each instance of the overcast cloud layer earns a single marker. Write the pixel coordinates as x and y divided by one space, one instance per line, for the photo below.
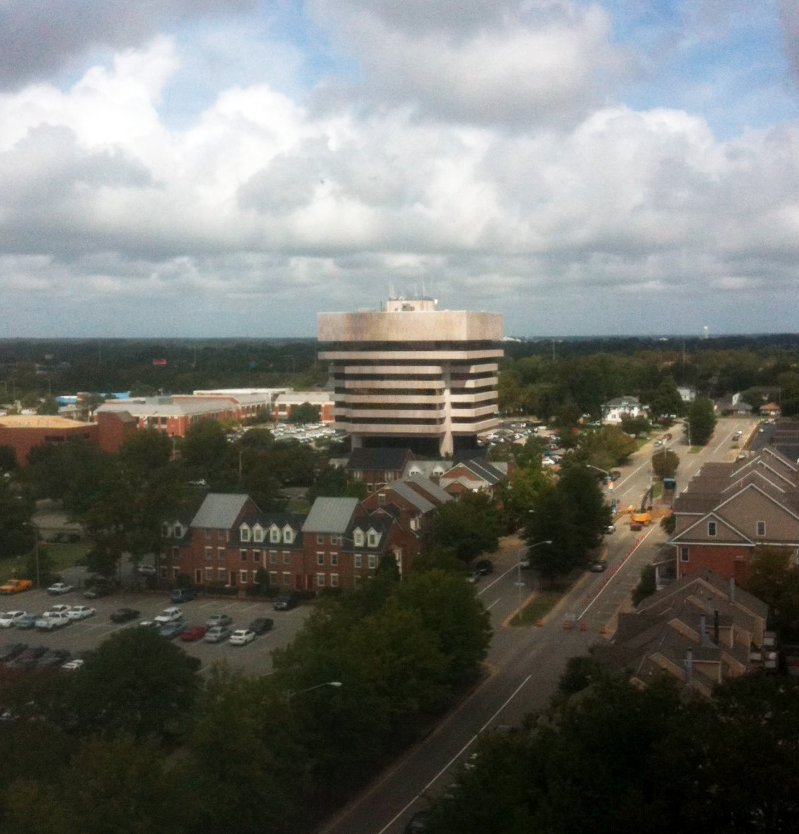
232 167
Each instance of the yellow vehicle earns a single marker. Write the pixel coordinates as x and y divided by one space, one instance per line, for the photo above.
640 518
15 586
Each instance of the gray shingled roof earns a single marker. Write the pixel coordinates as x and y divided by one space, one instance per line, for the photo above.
219 512
412 496
429 488
330 515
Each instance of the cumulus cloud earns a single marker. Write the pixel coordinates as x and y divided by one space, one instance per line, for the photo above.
509 63
41 37
789 21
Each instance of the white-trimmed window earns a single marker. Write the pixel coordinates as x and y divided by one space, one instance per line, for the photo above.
288 535
711 528
373 538
286 557
274 534
286 578
273 578
243 554
243 577
220 553
258 533
761 529
334 559
178 531
358 537
320 538
320 580
166 530
320 558
334 580
209 553
683 554
372 561
221 574
358 560
244 533
256 557
335 540
209 574
273 557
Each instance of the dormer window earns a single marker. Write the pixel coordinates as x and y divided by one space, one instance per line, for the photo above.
358 538
373 539
288 535
274 534
178 531
711 528
258 533
244 533
166 530
761 529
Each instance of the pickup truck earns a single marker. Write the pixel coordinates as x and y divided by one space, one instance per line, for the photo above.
15 586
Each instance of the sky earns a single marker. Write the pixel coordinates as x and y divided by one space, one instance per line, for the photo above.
230 168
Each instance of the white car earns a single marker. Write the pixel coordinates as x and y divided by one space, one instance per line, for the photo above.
51 620
80 612
169 615
71 665
9 618
59 588
241 637
60 608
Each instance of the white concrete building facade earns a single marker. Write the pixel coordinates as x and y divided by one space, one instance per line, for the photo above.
412 373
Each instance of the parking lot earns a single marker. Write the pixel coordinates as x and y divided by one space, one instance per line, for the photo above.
83 635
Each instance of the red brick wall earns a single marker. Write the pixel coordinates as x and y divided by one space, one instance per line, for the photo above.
112 431
23 439
720 559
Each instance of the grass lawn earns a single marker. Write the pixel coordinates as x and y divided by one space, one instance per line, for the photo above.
539 607
64 555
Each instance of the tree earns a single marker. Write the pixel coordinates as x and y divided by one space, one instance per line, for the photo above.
667 400
470 526
775 580
647 585
304 413
16 530
206 453
135 682
8 459
701 421
665 463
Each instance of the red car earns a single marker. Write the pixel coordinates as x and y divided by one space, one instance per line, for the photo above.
193 632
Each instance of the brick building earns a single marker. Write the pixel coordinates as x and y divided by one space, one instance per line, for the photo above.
24 432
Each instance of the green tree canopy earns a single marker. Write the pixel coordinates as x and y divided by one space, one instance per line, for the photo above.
665 463
304 413
701 421
469 526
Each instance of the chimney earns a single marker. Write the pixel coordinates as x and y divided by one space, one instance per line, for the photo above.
716 626
732 590
689 666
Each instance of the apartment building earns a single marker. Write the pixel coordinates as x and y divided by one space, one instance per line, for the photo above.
413 375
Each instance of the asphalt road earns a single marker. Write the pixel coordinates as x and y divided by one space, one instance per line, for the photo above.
525 664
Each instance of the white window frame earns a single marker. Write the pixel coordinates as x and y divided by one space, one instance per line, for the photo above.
288 535
286 578
274 535
244 533
334 580
760 526
372 561
320 558
320 580
358 538
257 533
243 577
209 554
372 538
358 560
712 528
683 553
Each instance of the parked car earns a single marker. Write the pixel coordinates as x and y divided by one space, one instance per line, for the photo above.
219 620
473 576
171 629
58 608
285 601
611 528
598 566
51 620
147 570
15 586
169 615
80 612
11 618
28 658
53 658
241 637
194 631
72 665
261 625
58 588
615 474
183 595
124 615
11 650
26 622
99 589
484 567
217 634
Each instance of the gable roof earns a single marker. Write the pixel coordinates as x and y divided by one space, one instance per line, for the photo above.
220 511
413 497
330 515
378 459
429 489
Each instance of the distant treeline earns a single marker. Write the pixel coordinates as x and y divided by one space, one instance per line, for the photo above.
541 376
